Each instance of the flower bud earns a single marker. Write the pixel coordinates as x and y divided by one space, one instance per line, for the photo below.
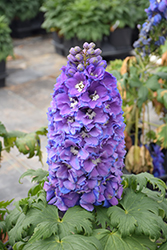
91 45
93 60
85 45
77 49
71 58
98 52
80 67
72 51
91 51
79 57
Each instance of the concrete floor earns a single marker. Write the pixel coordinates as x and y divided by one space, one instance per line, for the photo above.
23 106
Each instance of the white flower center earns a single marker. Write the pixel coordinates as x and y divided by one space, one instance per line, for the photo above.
74 150
91 114
71 119
79 86
73 102
95 96
84 134
96 161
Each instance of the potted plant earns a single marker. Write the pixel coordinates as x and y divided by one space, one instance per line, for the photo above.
78 21
24 16
6 48
141 82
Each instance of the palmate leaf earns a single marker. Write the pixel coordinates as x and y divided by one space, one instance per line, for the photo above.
76 220
101 216
138 214
139 181
161 202
46 222
15 234
72 242
37 175
114 240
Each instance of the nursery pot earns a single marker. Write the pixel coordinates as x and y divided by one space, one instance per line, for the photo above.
121 38
21 29
2 73
58 43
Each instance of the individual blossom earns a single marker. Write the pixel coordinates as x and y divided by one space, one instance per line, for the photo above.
85 150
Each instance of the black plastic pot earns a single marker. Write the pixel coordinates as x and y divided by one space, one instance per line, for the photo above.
2 73
58 43
21 29
62 45
121 38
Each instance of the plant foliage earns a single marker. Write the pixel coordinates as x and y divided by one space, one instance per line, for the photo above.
6 45
137 222
90 19
26 143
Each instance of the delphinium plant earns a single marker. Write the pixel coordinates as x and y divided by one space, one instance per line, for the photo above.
142 82
83 201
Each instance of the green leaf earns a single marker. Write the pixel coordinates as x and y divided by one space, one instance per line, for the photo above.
114 240
138 213
163 246
137 182
161 202
135 82
101 216
142 95
80 223
42 131
26 144
3 131
162 135
2 246
3 226
153 83
19 245
72 242
37 175
15 234
116 73
162 75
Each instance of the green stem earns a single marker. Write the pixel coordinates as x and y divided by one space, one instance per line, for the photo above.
131 120
151 124
136 126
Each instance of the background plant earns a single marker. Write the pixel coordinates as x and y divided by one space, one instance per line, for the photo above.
90 20
23 10
6 44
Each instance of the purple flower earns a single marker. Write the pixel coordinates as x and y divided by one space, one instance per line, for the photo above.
150 36
158 159
77 84
85 134
95 73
